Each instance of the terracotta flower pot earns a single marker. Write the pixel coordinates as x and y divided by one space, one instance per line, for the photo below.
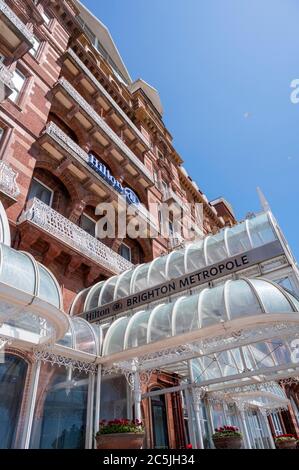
232 442
126 440
285 444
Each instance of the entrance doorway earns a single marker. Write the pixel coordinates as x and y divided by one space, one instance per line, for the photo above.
159 421
258 434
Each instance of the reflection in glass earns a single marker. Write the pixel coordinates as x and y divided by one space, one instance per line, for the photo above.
12 381
60 413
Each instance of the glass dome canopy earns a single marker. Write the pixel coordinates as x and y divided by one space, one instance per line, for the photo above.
82 336
252 233
203 315
31 299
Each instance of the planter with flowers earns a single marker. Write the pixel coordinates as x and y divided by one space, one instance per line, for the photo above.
120 434
227 437
286 441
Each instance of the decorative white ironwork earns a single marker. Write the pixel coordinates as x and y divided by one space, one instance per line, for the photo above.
57 225
6 76
4 342
79 154
165 357
104 127
198 393
107 96
65 141
129 369
8 180
245 396
45 355
15 20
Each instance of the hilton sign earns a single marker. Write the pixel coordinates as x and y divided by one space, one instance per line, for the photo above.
188 281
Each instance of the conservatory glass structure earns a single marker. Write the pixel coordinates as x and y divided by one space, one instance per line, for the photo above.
230 343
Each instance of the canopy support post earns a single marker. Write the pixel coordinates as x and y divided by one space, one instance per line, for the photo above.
268 429
137 393
31 406
89 418
98 399
196 398
244 428
210 422
192 434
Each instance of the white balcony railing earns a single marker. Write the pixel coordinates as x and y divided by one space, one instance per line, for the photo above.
88 109
81 156
8 178
109 98
15 20
52 222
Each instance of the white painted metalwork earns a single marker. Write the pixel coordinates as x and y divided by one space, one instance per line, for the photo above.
8 184
105 128
109 98
32 394
4 227
207 314
232 241
15 20
52 222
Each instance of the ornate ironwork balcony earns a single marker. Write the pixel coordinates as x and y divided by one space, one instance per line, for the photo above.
72 55
170 195
6 83
60 227
105 129
64 141
15 22
8 185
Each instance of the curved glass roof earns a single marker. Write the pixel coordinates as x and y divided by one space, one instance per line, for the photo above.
4 227
31 299
234 299
254 357
268 396
250 234
82 336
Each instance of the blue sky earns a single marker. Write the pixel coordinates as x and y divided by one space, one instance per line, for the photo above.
223 69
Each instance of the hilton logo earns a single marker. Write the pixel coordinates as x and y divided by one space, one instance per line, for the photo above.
117 306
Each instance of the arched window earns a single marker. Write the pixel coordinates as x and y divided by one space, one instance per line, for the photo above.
12 383
159 421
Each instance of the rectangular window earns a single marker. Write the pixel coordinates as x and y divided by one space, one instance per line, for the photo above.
46 17
125 252
36 45
18 81
276 424
41 192
88 224
1 133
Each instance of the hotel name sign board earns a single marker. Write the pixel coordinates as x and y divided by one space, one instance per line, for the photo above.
188 281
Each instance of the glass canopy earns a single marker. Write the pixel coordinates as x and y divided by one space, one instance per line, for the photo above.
4 227
31 299
233 300
252 233
82 336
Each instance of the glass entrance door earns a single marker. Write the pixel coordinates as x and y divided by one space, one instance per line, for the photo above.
259 438
159 422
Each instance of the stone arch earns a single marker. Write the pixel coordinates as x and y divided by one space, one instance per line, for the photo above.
75 127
